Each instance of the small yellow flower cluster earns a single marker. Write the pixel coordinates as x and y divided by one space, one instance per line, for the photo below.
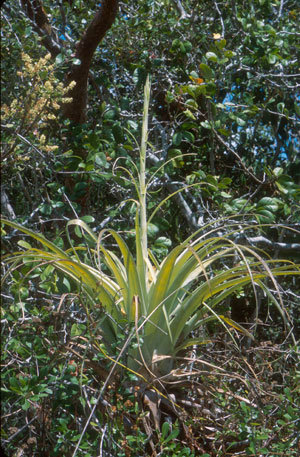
29 115
32 69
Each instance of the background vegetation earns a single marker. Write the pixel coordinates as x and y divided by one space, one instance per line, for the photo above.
223 127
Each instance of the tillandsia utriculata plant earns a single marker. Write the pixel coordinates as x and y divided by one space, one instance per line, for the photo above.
160 303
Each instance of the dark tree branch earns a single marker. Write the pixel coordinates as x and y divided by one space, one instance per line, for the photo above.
96 31
85 50
35 12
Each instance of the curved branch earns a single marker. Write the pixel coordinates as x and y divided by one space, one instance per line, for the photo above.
40 23
96 31
85 50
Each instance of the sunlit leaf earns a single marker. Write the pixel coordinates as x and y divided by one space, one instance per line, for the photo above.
197 80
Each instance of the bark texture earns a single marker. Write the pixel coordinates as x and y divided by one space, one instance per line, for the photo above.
85 49
34 10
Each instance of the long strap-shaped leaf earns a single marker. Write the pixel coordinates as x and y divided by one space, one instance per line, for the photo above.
37 236
227 281
131 283
159 290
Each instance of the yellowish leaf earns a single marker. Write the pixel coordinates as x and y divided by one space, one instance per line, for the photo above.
197 80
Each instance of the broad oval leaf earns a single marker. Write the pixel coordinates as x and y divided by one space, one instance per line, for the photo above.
206 71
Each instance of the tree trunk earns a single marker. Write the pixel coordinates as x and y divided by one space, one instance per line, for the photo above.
103 20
